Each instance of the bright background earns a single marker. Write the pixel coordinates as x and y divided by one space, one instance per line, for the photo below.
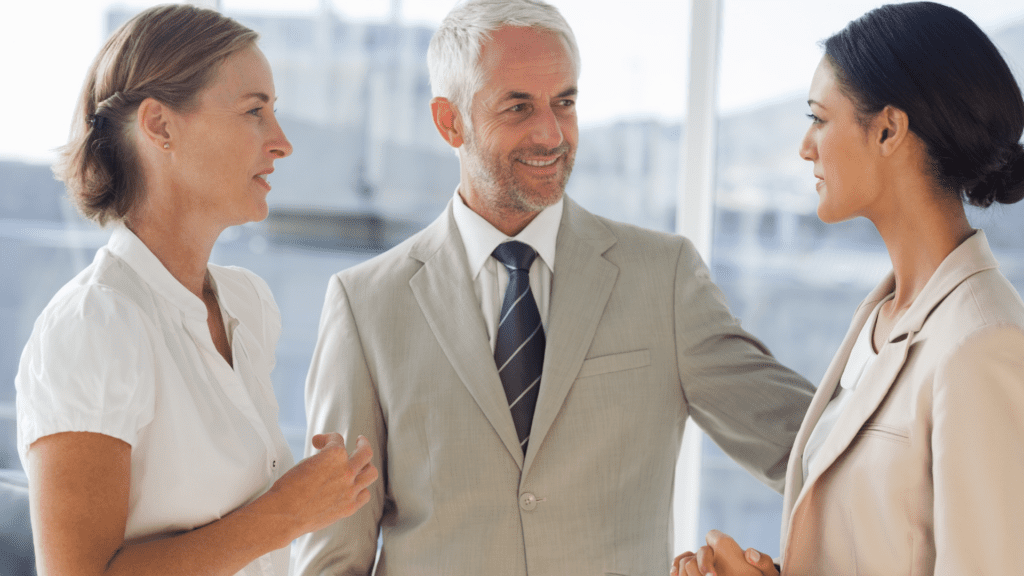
638 47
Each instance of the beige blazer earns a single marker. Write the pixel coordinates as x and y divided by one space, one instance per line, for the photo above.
923 471
638 339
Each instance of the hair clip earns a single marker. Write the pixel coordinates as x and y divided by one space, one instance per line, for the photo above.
97 121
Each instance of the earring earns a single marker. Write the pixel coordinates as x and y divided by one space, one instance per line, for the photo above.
167 145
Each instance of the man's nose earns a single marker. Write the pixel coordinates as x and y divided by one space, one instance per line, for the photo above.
546 129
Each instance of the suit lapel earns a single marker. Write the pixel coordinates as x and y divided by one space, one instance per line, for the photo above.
823 395
444 291
872 388
580 288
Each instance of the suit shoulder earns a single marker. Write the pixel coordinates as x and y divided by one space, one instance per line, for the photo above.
983 299
638 243
393 266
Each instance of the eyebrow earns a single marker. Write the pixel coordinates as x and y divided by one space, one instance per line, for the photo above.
812 101
513 95
259 95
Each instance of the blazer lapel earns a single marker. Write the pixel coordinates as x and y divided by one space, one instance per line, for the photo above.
444 291
872 388
971 257
580 288
823 395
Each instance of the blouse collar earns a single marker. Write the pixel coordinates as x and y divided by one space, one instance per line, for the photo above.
129 248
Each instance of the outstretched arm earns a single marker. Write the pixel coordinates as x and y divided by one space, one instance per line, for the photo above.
748 403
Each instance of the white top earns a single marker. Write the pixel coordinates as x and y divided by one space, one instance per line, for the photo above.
490 279
124 350
862 355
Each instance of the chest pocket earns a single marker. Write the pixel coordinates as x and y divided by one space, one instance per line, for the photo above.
614 363
887 432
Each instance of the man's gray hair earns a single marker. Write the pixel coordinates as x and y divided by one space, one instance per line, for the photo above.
454 53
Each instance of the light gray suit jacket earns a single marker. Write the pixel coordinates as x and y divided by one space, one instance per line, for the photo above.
638 339
922 473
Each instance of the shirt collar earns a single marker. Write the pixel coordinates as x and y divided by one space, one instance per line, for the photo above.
480 238
129 248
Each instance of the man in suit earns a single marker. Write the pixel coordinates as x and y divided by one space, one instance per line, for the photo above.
526 400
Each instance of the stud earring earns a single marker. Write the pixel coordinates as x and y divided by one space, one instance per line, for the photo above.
167 145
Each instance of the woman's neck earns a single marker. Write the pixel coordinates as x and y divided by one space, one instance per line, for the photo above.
181 244
920 230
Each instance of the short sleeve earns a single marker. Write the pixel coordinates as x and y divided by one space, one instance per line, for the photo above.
88 367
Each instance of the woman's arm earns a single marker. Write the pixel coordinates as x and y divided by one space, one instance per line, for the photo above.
79 490
977 454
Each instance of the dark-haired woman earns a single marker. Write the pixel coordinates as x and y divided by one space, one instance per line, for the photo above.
146 420
910 459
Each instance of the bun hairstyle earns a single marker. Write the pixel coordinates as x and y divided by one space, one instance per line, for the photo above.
935 64
169 53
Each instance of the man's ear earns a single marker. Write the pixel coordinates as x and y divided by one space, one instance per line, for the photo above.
447 120
890 129
154 120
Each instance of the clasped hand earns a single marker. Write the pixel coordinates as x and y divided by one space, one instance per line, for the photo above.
723 557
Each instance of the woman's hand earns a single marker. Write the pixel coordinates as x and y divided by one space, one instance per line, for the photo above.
325 487
723 557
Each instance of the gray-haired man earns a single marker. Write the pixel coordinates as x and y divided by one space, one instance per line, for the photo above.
526 412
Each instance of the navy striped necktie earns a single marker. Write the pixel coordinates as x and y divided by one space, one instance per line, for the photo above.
519 351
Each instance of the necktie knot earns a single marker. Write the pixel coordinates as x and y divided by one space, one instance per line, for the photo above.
515 255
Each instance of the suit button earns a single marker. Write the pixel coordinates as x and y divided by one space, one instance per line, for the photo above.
527 501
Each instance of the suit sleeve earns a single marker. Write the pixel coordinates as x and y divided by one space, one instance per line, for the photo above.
341 397
977 454
748 403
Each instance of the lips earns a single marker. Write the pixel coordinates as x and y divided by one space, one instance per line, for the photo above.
540 163
542 157
262 178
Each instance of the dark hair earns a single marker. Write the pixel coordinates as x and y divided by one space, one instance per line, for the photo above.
936 65
169 53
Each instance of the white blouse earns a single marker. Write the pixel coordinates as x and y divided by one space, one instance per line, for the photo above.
862 355
124 350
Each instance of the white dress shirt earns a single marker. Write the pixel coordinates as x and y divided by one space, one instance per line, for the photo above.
490 278
862 355
124 350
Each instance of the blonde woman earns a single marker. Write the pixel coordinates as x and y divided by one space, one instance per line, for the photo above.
147 423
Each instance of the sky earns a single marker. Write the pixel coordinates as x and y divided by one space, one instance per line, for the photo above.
634 53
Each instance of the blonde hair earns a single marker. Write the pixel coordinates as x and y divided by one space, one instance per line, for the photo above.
169 53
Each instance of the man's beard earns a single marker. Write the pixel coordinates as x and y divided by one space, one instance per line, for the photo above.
497 180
